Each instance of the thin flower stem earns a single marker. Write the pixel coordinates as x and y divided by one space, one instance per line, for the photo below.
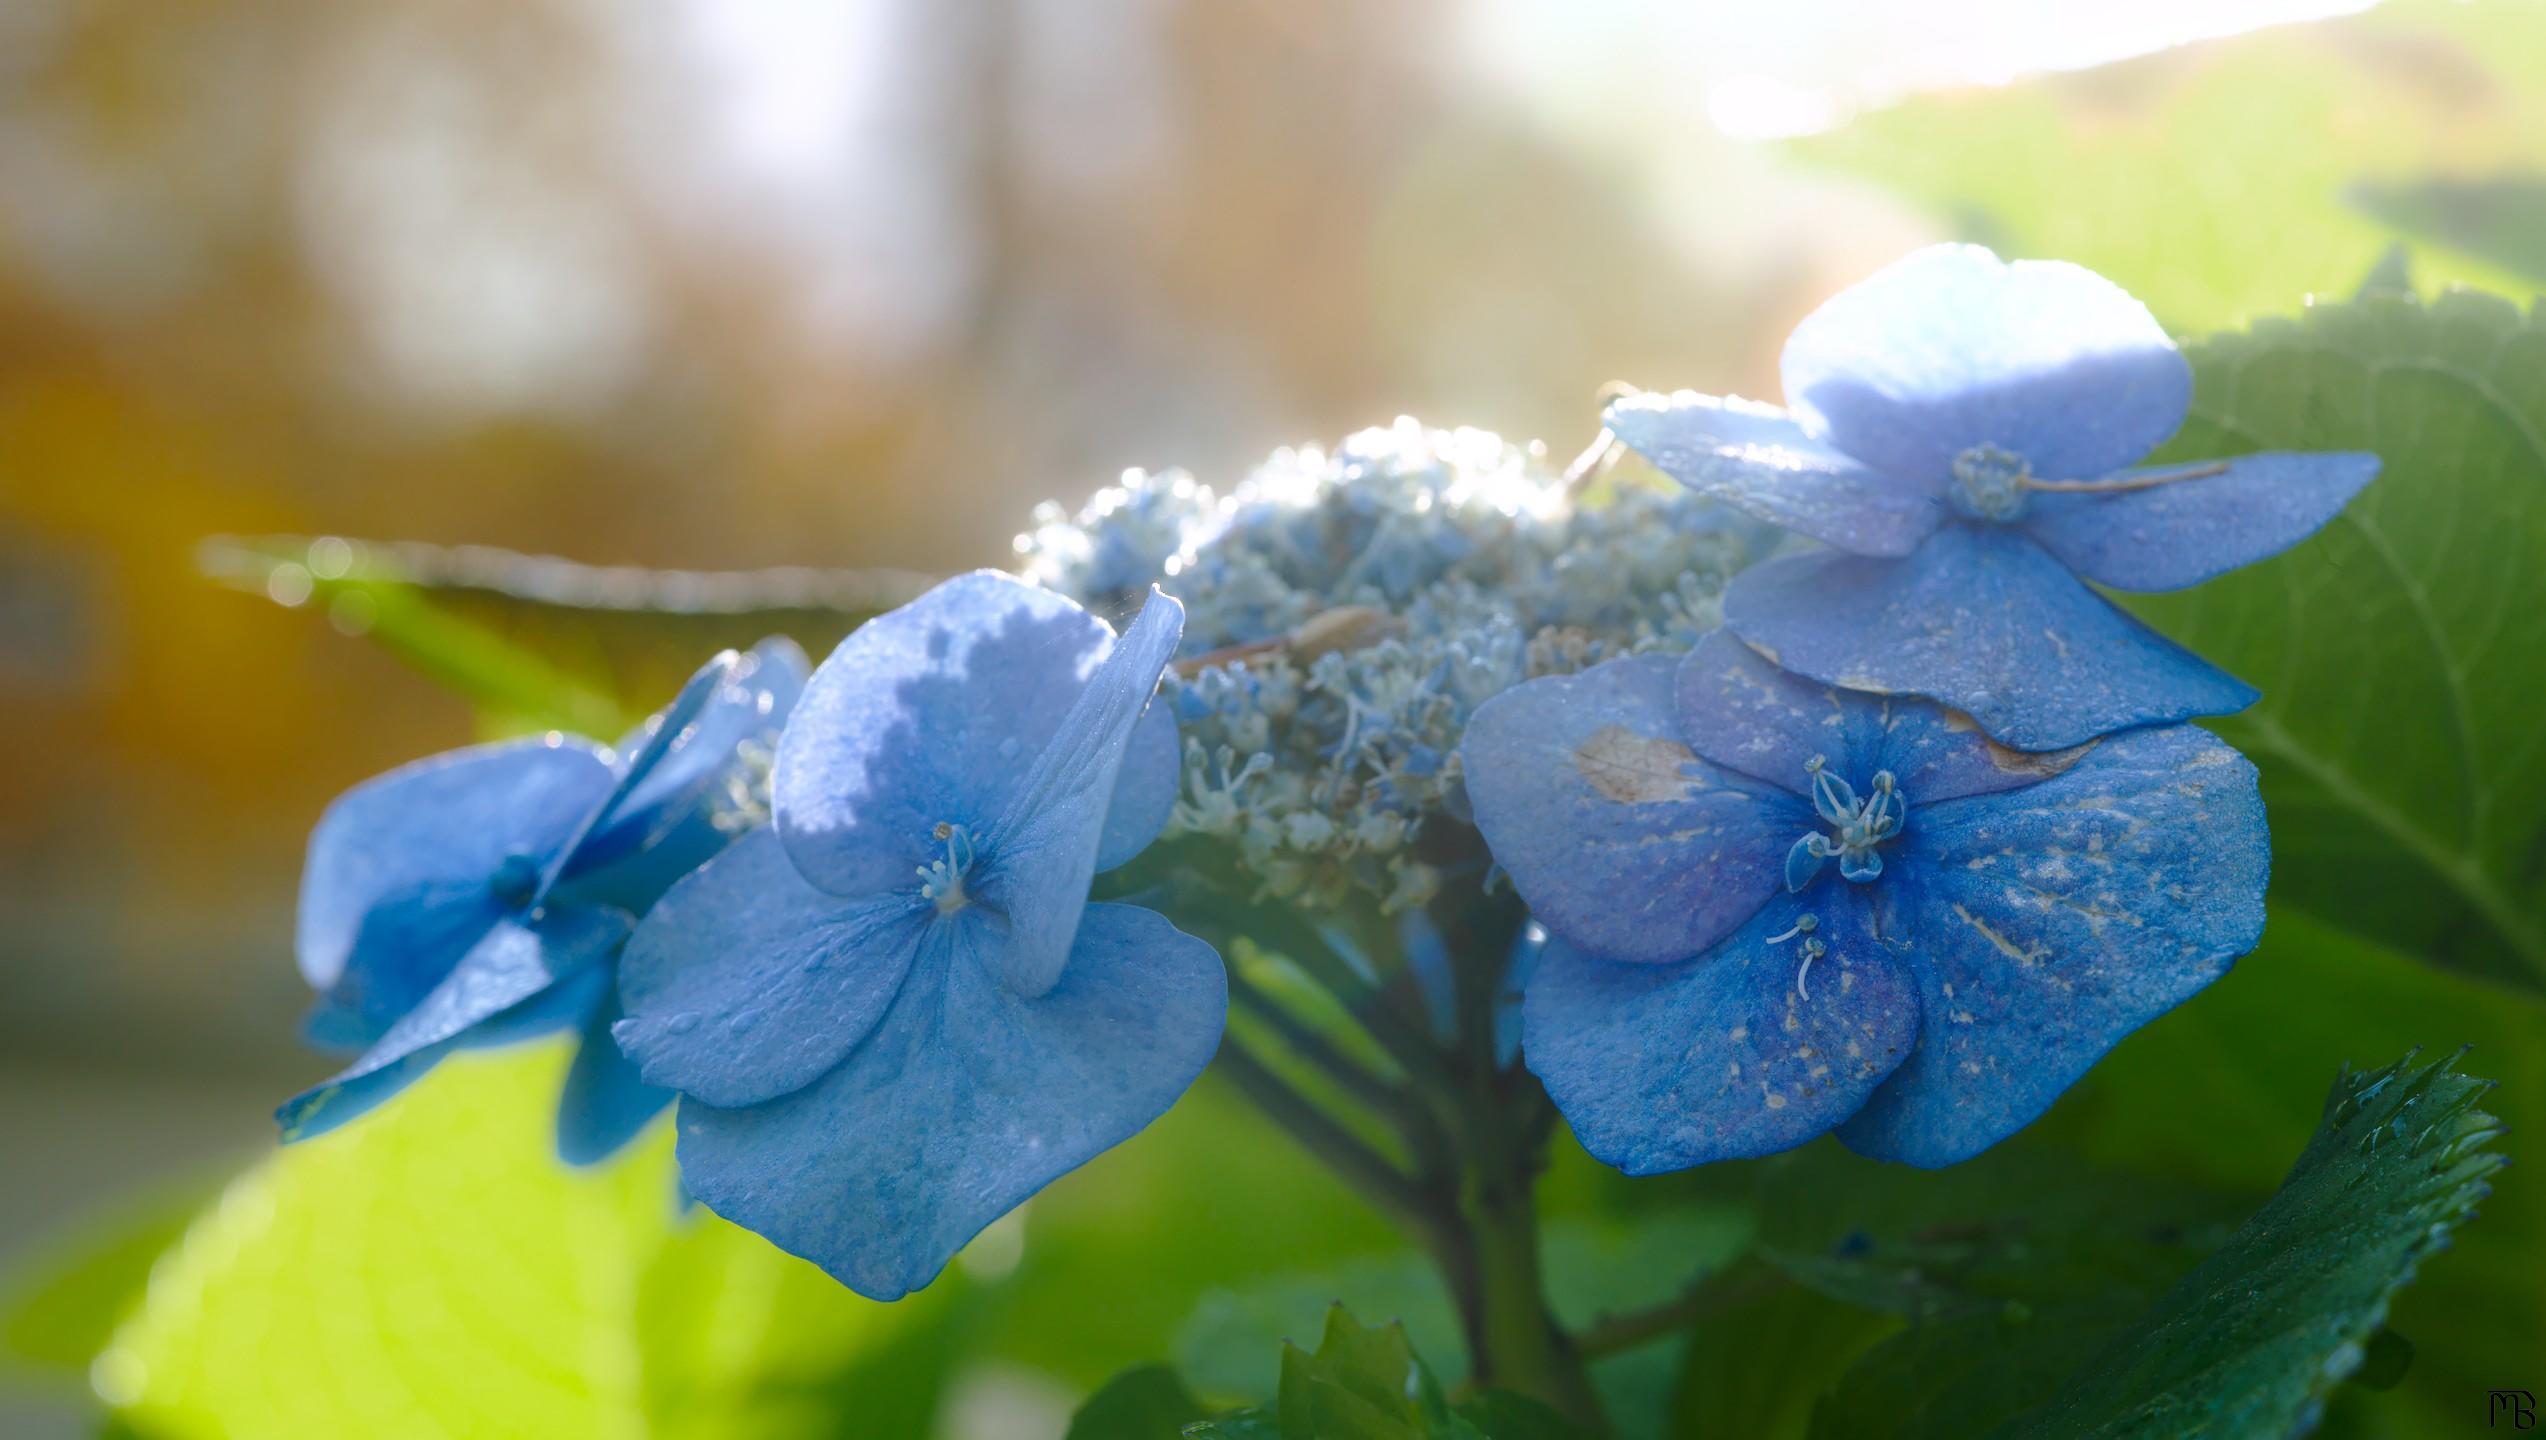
1390 1190
1422 1133
1723 1291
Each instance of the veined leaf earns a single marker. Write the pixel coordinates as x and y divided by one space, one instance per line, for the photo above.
2402 758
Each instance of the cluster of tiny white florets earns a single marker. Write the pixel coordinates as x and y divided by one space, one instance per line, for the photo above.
1346 612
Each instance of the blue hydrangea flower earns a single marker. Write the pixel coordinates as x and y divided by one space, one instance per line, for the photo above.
893 1015
1958 435
1779 908
481 896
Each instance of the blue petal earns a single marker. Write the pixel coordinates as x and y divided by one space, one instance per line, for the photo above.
1952 348
1528 948
1729 1054
2169 536
1981 619
399 879
1145 793
2047 923
605 1102
1746 714
1038 856
1755 457
1624 843
967 1099
514 963
745 983
928 714
681 758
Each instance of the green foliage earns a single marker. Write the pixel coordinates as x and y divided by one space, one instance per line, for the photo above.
1362 1383
535 642
2218 181
2402 764
2251 1342
434 1271
1149 1402
56 1317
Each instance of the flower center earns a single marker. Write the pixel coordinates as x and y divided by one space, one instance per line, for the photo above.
943 880
1858 825
1990 483
515 880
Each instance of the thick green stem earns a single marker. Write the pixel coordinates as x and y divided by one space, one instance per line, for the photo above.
1512 1334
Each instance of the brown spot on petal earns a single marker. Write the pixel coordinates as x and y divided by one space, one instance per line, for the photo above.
1636 769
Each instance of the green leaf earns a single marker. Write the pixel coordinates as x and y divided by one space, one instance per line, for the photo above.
2215 181
56 1317
535 641
1149 1402
2402 761
433 1271
2255 1338
1363 1383
1756 1371
2224 1089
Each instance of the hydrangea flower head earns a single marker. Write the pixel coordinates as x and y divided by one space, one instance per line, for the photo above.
1352 606
481 895
893 1014
1779 908
1960 434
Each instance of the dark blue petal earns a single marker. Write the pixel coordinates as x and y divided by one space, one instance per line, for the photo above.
2047 923
1746 714
1952 348
1736 1052
514 963
745 983
929 714
1983 620
401 871
605 1102
1757 458
1624 843
2166 537
1038 856
681 759
967 1100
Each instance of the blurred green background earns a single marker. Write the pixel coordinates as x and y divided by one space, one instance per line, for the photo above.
854 284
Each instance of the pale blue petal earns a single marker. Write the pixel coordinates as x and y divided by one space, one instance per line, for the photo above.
1623 842
513 963
1985 621
1746 714
401 870
967 1100
1528 948
2169 536
1951 348
605 1102
1039 855
1145 792
2050 922
927 715
745 983
932 714
1733 1053
1756 458
596 842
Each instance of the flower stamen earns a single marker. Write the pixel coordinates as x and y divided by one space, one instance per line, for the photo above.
943 880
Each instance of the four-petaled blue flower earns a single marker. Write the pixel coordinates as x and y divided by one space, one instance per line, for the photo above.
1996 921
1958 432
480 896
894 1014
